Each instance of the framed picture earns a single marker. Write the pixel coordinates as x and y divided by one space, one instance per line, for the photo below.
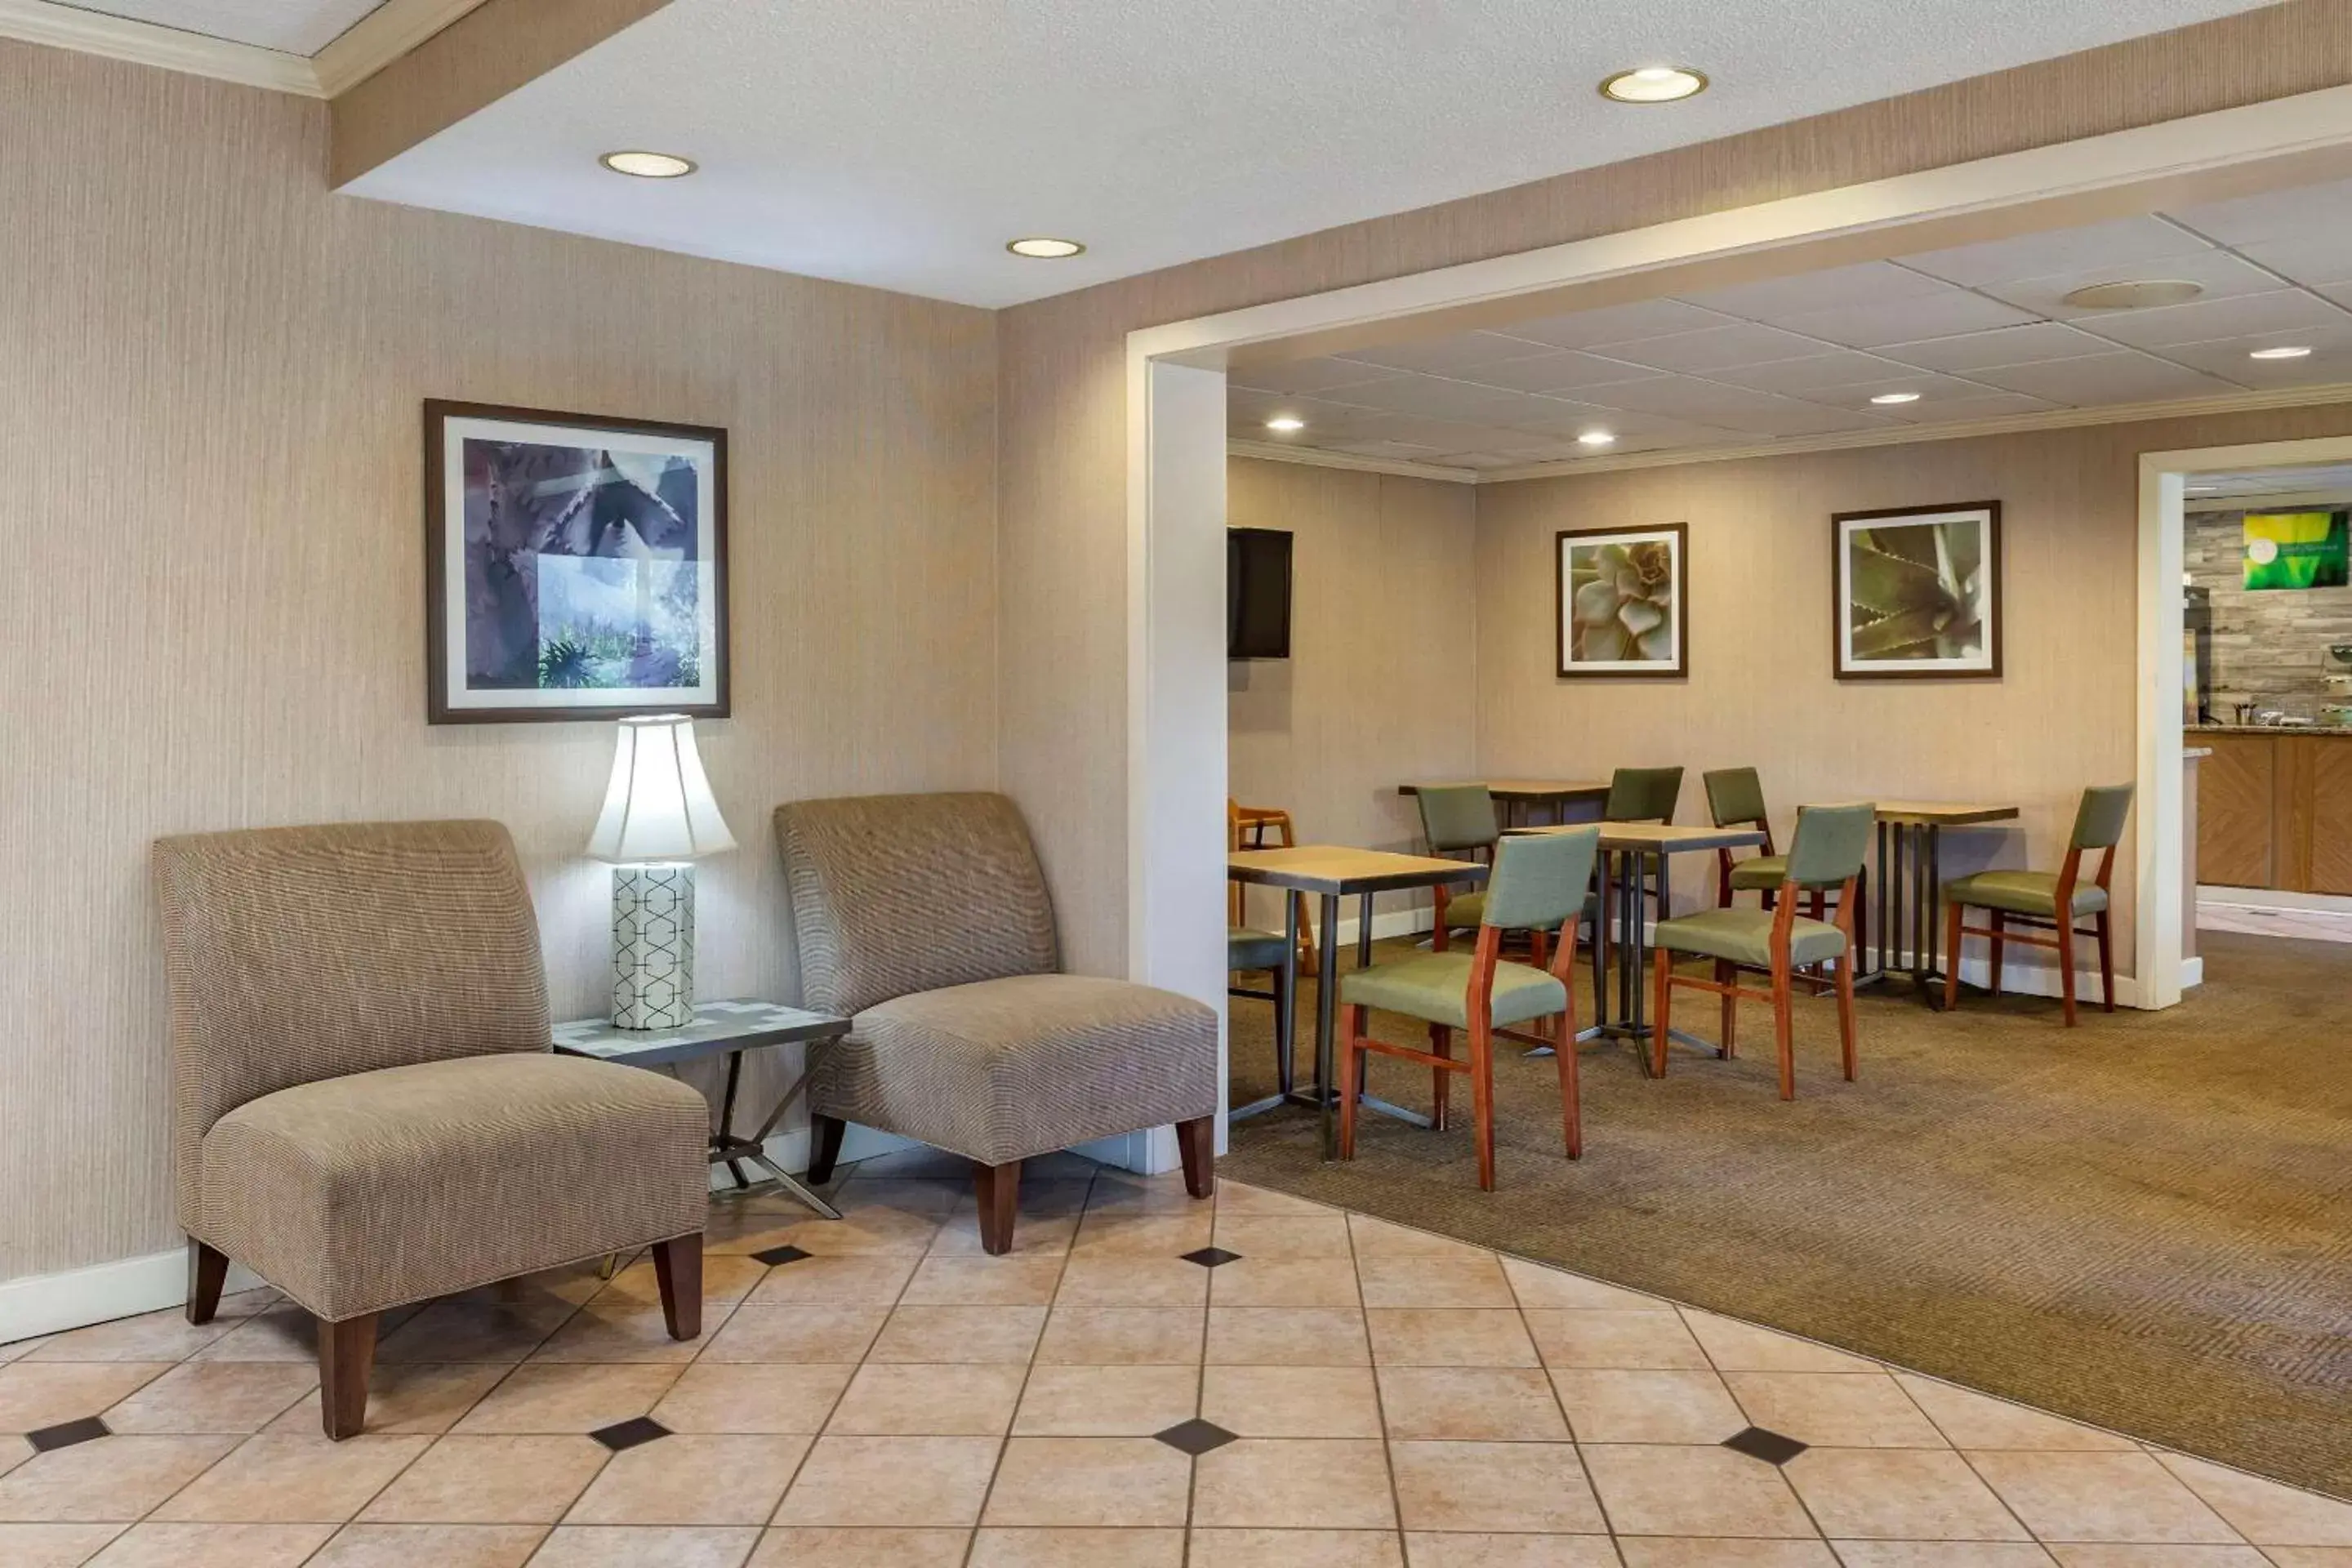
1919 592
575 567
1621 598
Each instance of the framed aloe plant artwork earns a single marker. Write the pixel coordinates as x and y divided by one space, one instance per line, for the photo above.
1621 601
575 566
1919 593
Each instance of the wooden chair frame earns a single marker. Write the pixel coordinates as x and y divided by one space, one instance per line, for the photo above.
2061 942
1440 895
1478 999
1859 895
1246 827
1726 985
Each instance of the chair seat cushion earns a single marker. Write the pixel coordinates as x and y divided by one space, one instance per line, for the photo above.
375 1189
1745 936
1005 1070
1765 872
1248 949
2023 893
1435 987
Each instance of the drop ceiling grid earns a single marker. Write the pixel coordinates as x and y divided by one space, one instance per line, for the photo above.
1800 356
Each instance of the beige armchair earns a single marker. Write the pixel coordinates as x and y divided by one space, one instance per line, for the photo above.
923 919
366 1108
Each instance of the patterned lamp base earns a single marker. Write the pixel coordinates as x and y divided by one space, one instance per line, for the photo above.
653 946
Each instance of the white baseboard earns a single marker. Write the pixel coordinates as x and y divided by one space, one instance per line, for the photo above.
2261 899
2192 972
77 1297
1386 924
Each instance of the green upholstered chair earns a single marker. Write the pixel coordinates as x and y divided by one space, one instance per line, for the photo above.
1538 883
2046 900
1248 952
1827 853
1458 820
1645 795
1735 798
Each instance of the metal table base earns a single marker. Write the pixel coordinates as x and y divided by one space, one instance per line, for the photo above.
1910 888
1626 894
730 1149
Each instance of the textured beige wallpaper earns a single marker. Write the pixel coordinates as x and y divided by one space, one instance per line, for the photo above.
1062 451
210 375
1380 687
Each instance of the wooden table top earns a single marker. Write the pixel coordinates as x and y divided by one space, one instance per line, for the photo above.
1656 835
1942 814
1340 869
1522 789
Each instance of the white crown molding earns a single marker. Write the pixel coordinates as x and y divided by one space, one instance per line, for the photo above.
1316 458
374 42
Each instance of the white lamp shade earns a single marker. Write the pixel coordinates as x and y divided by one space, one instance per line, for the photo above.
658 805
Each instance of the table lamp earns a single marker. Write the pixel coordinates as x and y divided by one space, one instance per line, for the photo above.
658 820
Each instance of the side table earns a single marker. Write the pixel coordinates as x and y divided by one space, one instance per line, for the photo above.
731 1027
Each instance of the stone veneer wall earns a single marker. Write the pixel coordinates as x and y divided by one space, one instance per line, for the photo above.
2270 648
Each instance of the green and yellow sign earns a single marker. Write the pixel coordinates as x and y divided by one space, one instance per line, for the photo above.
2297 550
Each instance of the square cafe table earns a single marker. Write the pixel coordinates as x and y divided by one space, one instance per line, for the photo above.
1519 798
1911 885
1333 872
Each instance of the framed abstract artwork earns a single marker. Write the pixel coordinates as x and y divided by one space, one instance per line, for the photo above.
1622 600
1919 593
575 566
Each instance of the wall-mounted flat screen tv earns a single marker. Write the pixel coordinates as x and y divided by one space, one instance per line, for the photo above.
1258 593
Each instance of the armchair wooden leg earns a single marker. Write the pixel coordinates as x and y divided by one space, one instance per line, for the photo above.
2106 967
1196 1142
1727 973
207 1272
1482 1099
1845 1007
678 1269
2067 967
1352 1067
824 1147
1952 955
1784 1027
1441 1080
1999 922
346 1357
1661 971
998 1190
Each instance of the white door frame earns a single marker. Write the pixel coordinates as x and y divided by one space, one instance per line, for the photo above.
1176 734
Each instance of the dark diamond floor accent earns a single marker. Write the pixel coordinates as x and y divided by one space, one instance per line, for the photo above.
1195 1437
779 1254
66 1433
630 1433
1763 1443
1211 1256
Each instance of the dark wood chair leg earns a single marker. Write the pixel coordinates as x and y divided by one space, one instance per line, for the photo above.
1482 1099
824 1147
1952 956
2106 967
207 1272
1999 944
1727 974
1661 971
1196 1142
1351 1032
1845 1007
998 1189
1570 1107
1441 1080
678 1269
1784 1027
2066 968
346 1357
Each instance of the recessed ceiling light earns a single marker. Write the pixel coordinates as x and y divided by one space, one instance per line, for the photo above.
1654 84
1040 248
1596 437
2135 294
648 166
2297 351
1285 423
1896 397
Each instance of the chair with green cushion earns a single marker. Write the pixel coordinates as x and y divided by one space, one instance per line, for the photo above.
1735 798
1828 853
1458 820
1645 795
1248 950
2033 898
1538 883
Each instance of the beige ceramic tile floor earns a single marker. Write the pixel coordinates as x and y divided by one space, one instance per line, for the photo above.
1354 1394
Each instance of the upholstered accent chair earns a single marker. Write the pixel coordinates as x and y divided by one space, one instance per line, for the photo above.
2016 902
1831 843
366 1110
923 919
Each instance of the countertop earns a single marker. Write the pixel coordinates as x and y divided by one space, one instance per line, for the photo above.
2343 730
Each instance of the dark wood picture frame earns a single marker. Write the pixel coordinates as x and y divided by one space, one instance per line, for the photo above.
1679 667
438 413
1997 608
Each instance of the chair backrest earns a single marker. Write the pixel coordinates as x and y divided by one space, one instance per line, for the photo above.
1643 794
1540 878
1457 816
1734 795
295 954
898 893
2099 820
1831 845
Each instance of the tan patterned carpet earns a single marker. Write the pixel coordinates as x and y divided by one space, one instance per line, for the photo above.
2145 1222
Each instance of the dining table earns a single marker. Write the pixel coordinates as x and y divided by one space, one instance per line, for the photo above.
1520 798
1331 872
1910 886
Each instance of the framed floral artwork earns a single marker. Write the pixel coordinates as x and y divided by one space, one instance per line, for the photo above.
575 566
1919 593
1622 601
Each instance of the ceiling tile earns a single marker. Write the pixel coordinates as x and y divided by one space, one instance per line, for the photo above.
2322 253
1840 367
1616 324
1560 371
2210 321
2125 377
1930 388
1835 288
1432 397
2221 274
2126 243
1395 452
1993 406
2274 214
2329 361
1713 348
2002 346
1462 351
1902 321
1306 375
